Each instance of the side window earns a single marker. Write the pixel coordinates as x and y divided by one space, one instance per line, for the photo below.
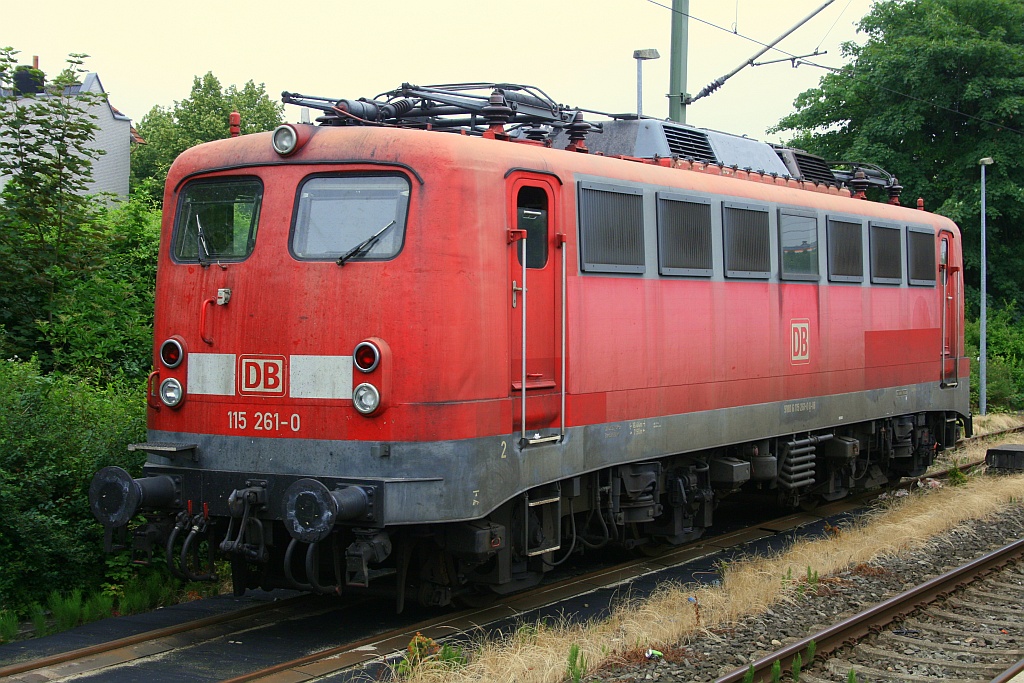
684 235
611 228
845 250
798 244
532 216
921 256
886 253
217 220
355 217
747 240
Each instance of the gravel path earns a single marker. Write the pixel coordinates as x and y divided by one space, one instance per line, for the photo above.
833 598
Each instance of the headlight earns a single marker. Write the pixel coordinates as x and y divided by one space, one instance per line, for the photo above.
284 140
365 398
171 392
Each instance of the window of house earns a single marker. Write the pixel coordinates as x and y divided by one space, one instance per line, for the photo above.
684 235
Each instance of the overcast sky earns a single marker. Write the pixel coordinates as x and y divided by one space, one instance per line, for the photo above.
579 52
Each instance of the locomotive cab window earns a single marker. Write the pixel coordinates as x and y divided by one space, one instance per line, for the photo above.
845 250
217 220
350 217
798 244
886 254
532 216
921 256
747 240
684 235
611 228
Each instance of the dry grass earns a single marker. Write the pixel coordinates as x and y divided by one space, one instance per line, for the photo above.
993 422
538 653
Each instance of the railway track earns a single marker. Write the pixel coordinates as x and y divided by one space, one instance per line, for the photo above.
964 625
103 661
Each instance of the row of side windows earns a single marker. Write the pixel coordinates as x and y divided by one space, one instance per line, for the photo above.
611 221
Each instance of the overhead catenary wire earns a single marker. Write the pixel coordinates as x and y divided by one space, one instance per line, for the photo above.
837 70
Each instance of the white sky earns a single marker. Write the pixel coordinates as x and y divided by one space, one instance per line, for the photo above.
579 52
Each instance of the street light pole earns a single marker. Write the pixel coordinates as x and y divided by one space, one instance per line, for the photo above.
983 361
641 56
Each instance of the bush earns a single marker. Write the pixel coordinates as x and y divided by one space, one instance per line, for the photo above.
1005 354
55 432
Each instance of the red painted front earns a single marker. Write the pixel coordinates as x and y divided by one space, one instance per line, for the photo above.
636 347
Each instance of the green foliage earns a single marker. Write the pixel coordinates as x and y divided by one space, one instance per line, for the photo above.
55 432
47 225
776 671
102 322
40 624
1005 352
798 665
8 626
98 606
67 608
938 85
749 676
423 650
576 667
851 677
812 648
200 117
955 476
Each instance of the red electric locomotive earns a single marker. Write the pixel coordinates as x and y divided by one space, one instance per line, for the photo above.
453 335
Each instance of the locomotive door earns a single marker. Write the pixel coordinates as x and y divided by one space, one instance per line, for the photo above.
949 273
536 271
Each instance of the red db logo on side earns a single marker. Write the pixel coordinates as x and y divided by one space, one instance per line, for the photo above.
801 335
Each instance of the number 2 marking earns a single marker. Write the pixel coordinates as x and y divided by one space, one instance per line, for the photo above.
504 450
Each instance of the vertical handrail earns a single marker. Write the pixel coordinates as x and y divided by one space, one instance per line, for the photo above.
561 412
523 388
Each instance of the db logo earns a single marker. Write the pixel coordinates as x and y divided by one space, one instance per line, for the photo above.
801 340
262 375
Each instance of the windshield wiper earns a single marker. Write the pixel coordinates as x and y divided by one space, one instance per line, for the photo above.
365 244
200 242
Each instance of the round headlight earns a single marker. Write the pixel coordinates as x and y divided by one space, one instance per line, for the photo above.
366 357
171 353
365 398
171 392
284 140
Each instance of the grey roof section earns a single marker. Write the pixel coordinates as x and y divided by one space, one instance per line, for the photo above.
647 138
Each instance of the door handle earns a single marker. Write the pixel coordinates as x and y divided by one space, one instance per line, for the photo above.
515 289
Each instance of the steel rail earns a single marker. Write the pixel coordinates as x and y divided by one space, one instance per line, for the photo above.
859 625
146 636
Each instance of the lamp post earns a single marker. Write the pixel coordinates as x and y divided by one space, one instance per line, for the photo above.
984 293
641 56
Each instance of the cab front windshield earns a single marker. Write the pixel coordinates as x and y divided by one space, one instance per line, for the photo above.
350 217
217 220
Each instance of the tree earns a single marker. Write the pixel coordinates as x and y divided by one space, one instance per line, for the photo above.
46 225
938 85
201 117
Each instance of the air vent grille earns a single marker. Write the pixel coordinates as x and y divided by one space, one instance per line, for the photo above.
688 143
814 169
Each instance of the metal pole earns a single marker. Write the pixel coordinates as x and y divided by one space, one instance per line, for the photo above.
639 87
982 380
677 72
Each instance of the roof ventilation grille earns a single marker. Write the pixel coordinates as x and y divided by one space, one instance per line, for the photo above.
689 143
